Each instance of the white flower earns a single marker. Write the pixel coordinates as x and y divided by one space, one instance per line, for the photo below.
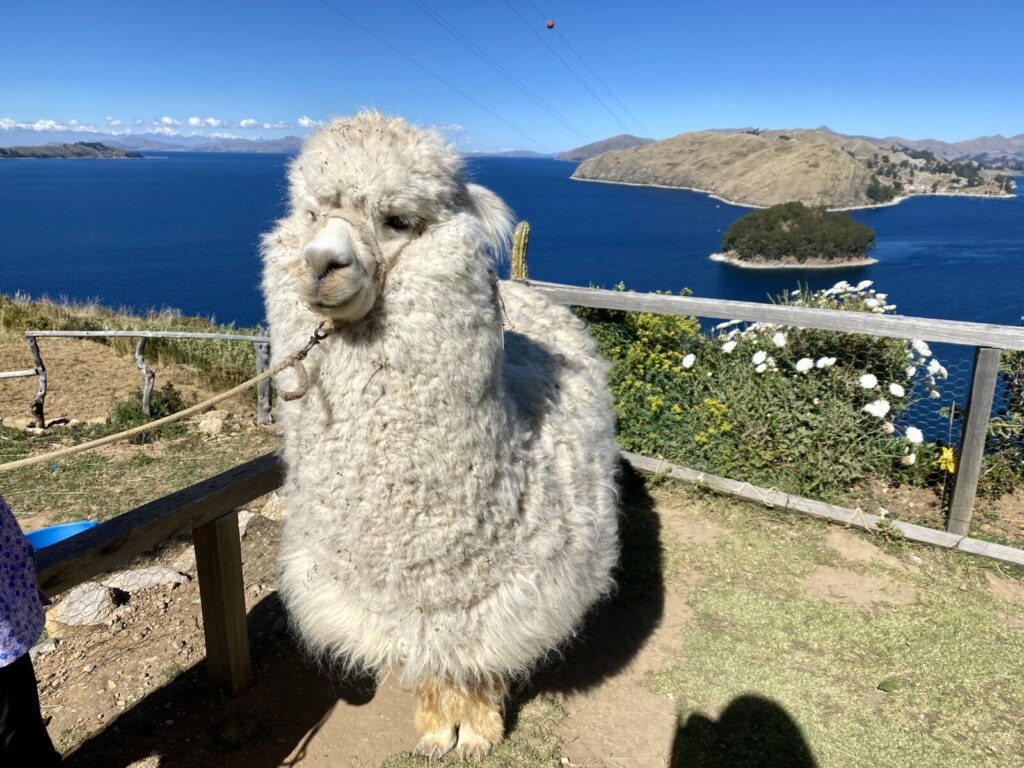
935 368
779 339
896 390
804 364
868 381
878 408
881 296
689 360
863 285
934 394
909 459
872 302
759 357
914 435
888 427
825 362
761 368
921 348
728 347
911 370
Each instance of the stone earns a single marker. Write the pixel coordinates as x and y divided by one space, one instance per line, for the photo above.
43 648
87 604
143 578
274 508
186 561
211 425
244 518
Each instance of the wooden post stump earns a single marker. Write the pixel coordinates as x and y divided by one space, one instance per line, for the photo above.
221 591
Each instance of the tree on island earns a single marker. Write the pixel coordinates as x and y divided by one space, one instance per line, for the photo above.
792 232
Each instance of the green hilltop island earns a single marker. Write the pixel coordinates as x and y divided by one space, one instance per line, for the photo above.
78 150
794 236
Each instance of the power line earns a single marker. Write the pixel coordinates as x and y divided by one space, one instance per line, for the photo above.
433 74
440 20
592 72
566 65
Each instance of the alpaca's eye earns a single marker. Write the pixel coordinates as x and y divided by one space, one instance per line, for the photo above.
398 223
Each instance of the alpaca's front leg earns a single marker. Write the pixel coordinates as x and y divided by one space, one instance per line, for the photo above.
481 724
437 717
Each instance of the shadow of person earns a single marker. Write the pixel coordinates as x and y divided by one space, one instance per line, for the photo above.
617 628
190 723
752 732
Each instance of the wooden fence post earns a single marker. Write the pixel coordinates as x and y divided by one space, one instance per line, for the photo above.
148 375
263 389
972 439
37 404
222 594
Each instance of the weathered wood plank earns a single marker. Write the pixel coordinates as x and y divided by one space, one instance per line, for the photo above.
972 439
148 375
144 335
851 517
222 594
264 390
38 405
892 326
18 374
112 543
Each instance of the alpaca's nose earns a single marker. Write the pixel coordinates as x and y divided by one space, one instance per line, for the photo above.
324 258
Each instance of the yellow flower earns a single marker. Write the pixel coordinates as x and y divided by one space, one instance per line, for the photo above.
947 461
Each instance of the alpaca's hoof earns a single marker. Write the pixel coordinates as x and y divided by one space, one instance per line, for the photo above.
434 746
474 748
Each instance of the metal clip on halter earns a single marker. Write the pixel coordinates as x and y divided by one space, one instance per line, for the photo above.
319 334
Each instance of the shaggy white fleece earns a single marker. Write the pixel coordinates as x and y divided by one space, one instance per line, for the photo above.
450 492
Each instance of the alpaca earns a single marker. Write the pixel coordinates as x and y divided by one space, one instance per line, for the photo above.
450 472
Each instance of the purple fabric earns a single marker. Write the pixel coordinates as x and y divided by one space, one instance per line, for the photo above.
21 612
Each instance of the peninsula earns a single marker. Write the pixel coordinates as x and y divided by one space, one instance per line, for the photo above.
80 149
818 168
791 235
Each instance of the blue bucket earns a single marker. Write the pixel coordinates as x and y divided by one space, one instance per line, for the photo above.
45 537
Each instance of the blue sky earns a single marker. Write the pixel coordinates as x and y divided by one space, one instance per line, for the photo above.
916 69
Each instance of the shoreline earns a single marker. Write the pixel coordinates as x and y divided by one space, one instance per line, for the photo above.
714 196
725 258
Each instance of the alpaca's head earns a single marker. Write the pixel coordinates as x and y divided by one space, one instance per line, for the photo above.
368 190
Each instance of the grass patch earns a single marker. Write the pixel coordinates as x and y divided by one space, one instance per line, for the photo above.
757 631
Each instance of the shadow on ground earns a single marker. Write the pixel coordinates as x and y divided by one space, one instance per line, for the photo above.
752 732
615 630
189 723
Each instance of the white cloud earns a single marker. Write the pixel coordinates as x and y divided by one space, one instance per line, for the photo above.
224 136
42 126
248 123
167 121
164 131
207 122
307 122
138 121
276 126
113 122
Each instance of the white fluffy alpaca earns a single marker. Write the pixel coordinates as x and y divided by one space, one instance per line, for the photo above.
451 508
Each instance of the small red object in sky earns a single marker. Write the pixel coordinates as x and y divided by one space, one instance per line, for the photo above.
551 24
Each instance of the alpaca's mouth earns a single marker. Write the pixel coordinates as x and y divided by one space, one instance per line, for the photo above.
340 295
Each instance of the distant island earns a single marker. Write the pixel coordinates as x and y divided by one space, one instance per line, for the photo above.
792 235
80 149
622 141
819 168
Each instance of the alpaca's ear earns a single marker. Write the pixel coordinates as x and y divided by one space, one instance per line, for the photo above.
495 217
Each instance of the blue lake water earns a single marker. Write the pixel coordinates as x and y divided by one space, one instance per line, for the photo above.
182 231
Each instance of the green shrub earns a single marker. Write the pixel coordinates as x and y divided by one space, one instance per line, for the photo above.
163 402
804 411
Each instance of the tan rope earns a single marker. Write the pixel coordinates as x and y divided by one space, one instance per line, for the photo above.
295 359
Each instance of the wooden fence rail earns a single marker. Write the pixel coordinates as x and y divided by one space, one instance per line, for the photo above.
261 346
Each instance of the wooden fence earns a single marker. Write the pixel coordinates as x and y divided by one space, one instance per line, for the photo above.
208 508
261 346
